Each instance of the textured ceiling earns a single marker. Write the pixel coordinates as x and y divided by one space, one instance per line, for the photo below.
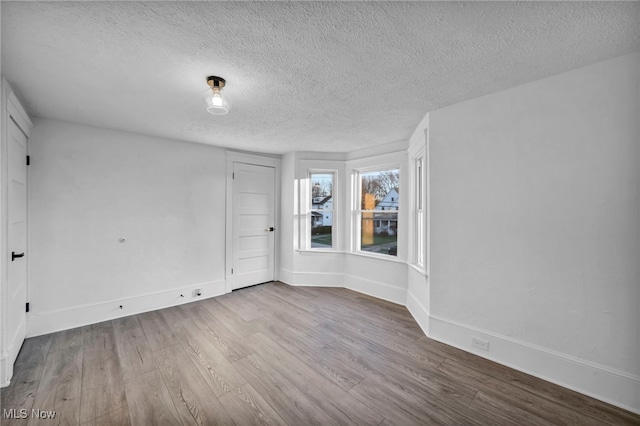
309 76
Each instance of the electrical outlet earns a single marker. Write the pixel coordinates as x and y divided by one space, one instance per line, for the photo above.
479 343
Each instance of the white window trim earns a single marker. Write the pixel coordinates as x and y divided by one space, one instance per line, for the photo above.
335 220
356 211
416 152
418 212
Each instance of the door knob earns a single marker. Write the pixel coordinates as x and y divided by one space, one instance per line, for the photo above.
270 229
15 255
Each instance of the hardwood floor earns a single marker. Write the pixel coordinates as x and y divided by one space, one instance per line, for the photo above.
281 355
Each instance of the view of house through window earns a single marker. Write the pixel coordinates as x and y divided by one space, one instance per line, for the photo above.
379 211
321 210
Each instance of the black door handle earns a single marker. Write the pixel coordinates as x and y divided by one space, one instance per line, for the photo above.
270 229
15 255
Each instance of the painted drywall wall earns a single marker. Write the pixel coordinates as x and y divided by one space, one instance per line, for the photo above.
90 188
288 234
535 223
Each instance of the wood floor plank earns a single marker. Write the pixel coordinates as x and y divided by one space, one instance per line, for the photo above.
517 398
384 312
177 313
403 367
221 376
66 339
332 399
149 401
102 383
191 395
404 355
101 400
60 386
306 344
393 407
290 292
247 407
241 304
504 413
119 417
271 290
27 371
228 343
387 335
273 304
228 318
134 354
156 330
20 400
29 365
288 401
99 337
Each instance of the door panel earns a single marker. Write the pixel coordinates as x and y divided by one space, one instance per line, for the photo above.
253 216
14 307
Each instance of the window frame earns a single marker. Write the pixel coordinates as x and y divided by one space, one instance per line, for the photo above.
419 222
334 209
356 207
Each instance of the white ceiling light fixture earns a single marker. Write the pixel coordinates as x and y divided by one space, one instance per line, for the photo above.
217 104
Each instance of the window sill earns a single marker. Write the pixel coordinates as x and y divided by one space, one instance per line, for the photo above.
385 257
321 251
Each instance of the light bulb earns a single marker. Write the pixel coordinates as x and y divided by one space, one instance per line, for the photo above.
216 100
217 104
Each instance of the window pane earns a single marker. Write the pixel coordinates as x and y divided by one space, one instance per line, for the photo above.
380 189
379 225
379 232
321 210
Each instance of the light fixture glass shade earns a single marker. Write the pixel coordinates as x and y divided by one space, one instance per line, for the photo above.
217 103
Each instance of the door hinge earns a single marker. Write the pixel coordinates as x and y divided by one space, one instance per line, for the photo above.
231 271
233 175
27 306
28 160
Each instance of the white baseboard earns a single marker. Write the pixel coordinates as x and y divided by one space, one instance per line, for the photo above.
376 289
330 279
311 279
591 379
39 323
419 312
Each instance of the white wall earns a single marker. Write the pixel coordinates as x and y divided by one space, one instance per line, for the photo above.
535 220
88 188
288 234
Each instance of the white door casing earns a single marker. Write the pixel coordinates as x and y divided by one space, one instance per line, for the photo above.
253 224
14 229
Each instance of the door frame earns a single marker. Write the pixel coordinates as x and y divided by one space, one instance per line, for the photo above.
11 109
257 160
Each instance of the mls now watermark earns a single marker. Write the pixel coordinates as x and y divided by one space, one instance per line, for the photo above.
14 413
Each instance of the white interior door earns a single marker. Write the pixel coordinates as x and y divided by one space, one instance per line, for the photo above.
16 290
253 224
